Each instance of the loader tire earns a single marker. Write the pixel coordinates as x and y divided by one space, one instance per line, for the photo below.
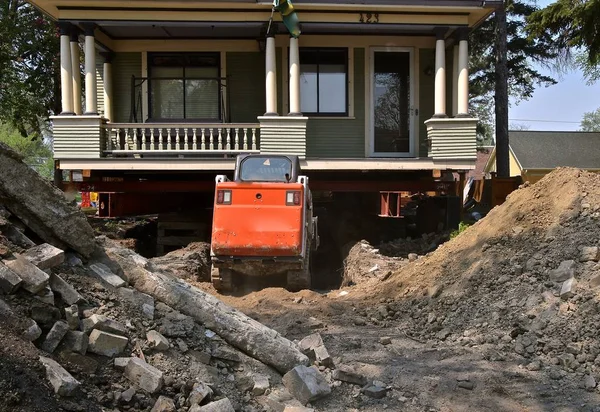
298 280
222 279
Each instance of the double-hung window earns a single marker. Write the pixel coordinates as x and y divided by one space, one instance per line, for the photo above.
184 86
324 81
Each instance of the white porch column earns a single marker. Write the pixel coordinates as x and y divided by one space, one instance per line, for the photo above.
66 70
440 74
455 82
91 92
75 57
271 77
463 76
295 107
108 86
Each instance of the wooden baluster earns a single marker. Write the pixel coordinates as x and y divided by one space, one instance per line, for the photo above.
237 138
144 145
195 145
177 139
169 146
253 138
160 139
228 146
186 144
203 142
108 139
211 144
245 139
126 139
220 145
152 139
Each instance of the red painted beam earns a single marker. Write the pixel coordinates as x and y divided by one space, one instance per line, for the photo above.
381 186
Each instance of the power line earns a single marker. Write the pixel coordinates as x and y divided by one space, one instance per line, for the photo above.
543 121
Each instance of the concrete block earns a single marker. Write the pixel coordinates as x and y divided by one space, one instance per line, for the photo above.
56 334
45 295
322 356
9 280
222 405
164 404
104 273
67 292
63 383
121 363
34 279
157 341
144 375
590 254
261 384
568 288
72 316
106 344
309 343
200 392
306 384
347 374
45 256
76 341
103 323
32 331
564 271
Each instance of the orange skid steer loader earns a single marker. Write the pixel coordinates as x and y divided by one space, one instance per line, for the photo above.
263 223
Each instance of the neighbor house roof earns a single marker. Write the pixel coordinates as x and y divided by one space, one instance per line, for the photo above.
549 149
483 155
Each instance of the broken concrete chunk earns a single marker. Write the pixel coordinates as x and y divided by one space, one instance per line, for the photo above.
226 353
34 279
106 344
56 334
568 288
45 256
222 405
144 302
103 272
309 343
9 280
322 356
121 363
17 237
67 292
347 374
590 254
157 341
63 383
85 364
385 340
306 384
75 341
144 375
564 271
128 395
375 391
164 404
72 316
32 332
200 392
261 384
103 323
297 409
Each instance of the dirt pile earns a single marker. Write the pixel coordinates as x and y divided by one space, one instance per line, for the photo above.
523 280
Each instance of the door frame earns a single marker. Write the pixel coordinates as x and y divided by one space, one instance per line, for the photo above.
370 135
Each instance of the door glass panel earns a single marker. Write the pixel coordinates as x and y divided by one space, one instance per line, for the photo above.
201 93
166 93
391 98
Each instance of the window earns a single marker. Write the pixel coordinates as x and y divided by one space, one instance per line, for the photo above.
266 169
324 81
184 86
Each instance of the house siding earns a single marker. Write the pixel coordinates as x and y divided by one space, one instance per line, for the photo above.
100 82
341 138
125 65
246 75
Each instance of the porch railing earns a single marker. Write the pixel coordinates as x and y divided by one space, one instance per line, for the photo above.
172 138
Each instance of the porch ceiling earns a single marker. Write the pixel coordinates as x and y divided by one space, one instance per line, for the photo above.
122 30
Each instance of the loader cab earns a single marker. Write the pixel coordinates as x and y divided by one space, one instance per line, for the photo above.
267 168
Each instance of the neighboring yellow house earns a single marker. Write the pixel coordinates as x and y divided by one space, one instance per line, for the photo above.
533 154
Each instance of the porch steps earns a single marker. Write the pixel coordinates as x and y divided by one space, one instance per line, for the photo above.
176 230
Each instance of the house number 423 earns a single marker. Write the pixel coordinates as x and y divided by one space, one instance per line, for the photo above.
369 17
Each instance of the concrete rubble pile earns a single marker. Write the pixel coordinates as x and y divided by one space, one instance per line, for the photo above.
78 321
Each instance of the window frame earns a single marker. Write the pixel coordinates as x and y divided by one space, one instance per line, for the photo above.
319 50
185 56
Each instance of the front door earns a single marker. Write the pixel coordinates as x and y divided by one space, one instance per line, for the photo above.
391 103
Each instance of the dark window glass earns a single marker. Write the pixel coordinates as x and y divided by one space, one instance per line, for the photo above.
266 169
324 81
184 86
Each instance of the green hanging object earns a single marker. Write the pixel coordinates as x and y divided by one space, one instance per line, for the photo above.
288 14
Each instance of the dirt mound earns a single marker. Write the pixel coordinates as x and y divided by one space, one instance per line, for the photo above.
189 263
505 283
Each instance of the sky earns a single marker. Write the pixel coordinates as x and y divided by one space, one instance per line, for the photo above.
558 107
